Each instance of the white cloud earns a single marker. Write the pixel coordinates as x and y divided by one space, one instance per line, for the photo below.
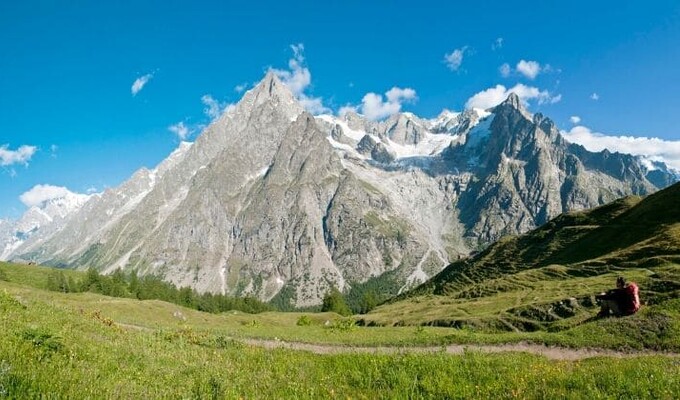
240 88
375 107
497 44
41 193
652 148
505 70
139 83
493 96
575 119
346 109
214 108
454 59
595 96
22 155
529 69
314 105
298 78
179 129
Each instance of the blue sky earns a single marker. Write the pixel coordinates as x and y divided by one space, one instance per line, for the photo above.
68 116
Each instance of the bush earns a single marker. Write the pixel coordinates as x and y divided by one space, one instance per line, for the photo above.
44 341
304 320
343 325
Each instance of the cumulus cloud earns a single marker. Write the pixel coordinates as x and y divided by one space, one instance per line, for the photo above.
529 69
298 78
180 129
493 96
651 148
454 59
139 83
346 109
22 155
505 70
595 96
376 107
214 108
42 193
497 44
575 119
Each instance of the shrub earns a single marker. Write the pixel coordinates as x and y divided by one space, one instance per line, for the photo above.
304 320
343 325
43 341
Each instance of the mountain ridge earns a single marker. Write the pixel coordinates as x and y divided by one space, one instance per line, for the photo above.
271 201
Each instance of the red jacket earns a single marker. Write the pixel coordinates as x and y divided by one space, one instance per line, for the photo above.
630 302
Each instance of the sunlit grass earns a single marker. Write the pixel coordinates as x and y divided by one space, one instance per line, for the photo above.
84 356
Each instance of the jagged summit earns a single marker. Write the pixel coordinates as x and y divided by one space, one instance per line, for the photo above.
272 86
512 105
513 100
273 91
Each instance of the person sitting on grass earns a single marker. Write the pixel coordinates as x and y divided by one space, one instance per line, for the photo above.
624 300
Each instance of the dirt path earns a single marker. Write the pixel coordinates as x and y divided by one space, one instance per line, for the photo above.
553 353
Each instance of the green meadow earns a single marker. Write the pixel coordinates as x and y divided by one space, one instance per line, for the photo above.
86 345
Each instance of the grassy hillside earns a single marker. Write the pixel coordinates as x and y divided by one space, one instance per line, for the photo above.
546 280
86 345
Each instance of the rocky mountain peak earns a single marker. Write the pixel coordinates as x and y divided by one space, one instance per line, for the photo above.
272 85
514 101
512 105
273 91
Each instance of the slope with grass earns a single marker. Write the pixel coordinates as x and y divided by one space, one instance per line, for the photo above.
85 345
546 280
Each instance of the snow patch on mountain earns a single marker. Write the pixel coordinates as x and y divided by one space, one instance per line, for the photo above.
49 205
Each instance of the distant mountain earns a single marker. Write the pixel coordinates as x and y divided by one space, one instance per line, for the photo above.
272 202
51 213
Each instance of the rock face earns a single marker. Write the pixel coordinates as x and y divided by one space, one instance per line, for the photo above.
272 202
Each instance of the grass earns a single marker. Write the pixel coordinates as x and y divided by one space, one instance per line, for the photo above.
54 346
655 327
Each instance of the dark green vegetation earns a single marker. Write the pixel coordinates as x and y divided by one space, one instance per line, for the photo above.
334 302
86 345
545 281
147 287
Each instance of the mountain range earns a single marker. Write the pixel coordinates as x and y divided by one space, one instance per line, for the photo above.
273 202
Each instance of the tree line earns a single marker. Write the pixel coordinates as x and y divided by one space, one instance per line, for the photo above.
149 287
